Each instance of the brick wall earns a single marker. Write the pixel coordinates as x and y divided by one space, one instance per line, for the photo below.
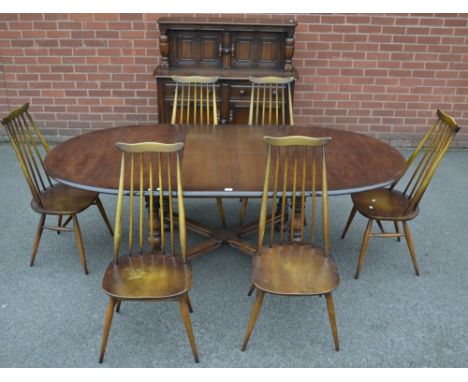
383 75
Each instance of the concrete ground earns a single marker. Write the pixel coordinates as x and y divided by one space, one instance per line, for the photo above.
51 315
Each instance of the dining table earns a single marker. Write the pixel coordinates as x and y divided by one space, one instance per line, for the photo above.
222 161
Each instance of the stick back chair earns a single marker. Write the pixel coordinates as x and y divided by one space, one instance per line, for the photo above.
388 204
289 265
155 272
271 103
48 198
194 100
195 103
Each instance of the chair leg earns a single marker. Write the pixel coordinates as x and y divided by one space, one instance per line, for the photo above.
189 304
348 223
219 202
67 221
188 325
79 243
397 229
59 222
332 318
379 223
365 241
251 290
243 210
104 215
117 306
37 238
253 319
107 327
409 241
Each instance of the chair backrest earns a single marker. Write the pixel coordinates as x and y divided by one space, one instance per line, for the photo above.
268 99
151 169
30 148
296 167
194 100
427 157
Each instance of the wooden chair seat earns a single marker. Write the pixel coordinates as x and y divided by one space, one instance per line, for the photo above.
384 204
146 277
295 270
64 200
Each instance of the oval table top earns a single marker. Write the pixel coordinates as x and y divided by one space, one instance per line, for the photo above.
223 160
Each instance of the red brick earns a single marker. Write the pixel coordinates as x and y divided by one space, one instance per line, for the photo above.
431 21
30 16
318 28
106 16
459 22
428 40
418 30
407 21
357 19
382 20
369 29
58 34
331 37
355 37
9 16
404 39
377 37
332 19
393 30
339 28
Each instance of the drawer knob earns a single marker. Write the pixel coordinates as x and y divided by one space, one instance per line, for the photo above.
242 92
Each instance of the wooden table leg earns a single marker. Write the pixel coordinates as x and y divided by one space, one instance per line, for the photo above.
154 237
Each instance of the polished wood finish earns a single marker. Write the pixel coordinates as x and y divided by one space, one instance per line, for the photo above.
298 270
289 265
223 160
142 277
388 204
48 198
229 48
156 271
107 327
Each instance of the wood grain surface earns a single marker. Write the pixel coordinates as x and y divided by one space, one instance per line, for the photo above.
223 160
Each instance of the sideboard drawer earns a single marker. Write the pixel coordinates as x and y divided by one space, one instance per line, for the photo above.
241 91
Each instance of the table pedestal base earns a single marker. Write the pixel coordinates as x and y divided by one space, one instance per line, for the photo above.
217 237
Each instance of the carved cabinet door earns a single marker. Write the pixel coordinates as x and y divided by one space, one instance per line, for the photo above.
257 50
192 48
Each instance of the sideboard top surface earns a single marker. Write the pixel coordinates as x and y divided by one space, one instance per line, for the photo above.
184 21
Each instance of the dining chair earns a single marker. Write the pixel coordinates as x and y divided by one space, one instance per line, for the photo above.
270 104
157 271
399 207
195 104
48 198
291 265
